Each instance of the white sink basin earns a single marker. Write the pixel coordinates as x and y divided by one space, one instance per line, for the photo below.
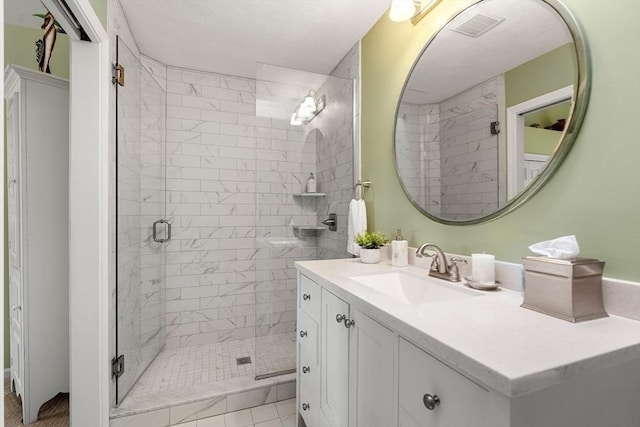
410 289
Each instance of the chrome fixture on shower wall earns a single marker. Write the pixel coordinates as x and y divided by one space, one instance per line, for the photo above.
308 109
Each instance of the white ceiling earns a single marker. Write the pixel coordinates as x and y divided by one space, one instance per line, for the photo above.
231 36
454 62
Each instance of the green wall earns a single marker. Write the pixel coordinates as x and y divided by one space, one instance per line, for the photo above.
553 70
540 141
20 49
595 193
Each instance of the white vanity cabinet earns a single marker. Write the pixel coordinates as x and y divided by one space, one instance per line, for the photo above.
404 366
357 360
37 107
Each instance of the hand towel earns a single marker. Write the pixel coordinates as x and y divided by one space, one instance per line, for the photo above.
357 223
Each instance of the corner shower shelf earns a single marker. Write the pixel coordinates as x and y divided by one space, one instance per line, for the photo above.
309 227
310 195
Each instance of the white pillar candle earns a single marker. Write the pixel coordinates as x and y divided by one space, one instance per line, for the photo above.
483 268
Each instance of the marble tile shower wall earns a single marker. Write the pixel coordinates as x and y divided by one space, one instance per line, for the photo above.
418 137
469 152
230 180
335 152
430 156
409 154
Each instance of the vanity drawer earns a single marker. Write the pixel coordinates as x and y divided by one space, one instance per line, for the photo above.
308 338
309 297
425 380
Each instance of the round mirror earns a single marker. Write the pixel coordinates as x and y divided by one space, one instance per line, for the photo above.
490 109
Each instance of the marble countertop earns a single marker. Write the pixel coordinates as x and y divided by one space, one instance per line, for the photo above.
490 338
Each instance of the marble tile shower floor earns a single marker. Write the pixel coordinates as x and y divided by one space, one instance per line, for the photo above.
196 372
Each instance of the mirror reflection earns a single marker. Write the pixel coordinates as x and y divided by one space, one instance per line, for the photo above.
485 108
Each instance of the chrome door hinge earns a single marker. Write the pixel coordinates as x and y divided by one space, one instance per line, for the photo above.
495 128
118 74
117 366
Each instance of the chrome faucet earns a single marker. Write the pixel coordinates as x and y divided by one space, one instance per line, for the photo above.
440 268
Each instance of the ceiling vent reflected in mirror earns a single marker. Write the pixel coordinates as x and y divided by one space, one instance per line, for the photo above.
477 25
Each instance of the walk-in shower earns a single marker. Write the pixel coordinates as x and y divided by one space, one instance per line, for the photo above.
212 214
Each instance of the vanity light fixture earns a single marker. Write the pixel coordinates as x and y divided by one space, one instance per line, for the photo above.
415 10
307 110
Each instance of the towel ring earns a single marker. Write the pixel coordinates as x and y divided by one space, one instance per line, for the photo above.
363 185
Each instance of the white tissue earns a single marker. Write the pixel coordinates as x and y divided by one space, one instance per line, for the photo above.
562 247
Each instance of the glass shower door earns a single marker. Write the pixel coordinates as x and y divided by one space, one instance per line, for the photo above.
142 231
289 224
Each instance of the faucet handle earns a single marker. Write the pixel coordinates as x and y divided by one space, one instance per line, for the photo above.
454 273
435 262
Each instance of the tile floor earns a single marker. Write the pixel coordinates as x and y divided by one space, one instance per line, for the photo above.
279 414
184 368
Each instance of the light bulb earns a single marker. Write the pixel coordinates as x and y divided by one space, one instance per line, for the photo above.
309 102
295 121
402 10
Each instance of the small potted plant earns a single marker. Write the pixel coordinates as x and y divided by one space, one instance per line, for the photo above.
370 244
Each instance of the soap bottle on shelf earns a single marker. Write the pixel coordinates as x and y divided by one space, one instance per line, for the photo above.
399 251
311 184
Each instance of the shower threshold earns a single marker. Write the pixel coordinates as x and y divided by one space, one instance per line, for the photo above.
275 374
201 381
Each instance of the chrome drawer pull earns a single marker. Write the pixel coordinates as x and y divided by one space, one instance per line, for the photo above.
349 323
306 406
303 334
430 401
306 297
340 318
306 369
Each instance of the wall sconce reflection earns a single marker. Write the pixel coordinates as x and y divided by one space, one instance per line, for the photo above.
308 109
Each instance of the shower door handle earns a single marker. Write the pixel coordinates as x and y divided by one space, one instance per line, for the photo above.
155 230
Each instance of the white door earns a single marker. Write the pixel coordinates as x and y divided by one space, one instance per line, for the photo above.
371 370
334 370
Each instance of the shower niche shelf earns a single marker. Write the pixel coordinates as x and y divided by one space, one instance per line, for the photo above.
310 195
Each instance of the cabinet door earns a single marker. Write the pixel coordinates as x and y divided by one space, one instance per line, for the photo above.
461 401
13 181
334 370
15 326
371 371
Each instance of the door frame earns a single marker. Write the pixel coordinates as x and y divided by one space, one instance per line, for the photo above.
515 134
89 82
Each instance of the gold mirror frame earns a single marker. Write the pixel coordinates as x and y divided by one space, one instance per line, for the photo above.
576 116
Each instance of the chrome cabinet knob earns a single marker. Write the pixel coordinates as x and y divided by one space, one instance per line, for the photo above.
306 297
303 334
340 318
430 401
306 406
349 323
306 369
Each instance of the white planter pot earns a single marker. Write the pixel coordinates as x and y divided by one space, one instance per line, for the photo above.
370 256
